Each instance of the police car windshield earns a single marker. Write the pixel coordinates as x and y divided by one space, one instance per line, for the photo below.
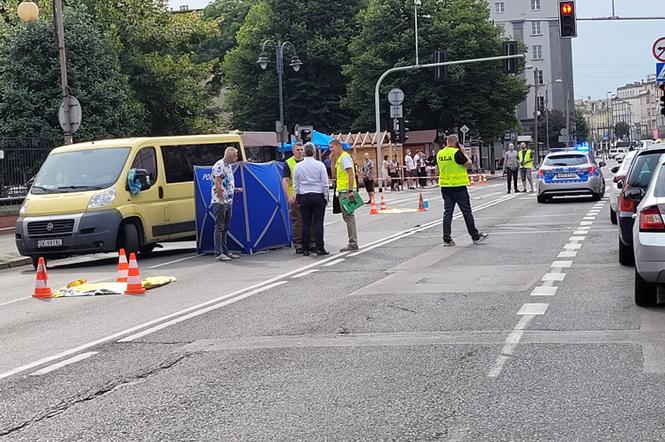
80 170
565 160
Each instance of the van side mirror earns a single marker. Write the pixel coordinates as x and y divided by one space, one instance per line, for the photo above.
635 194
142 176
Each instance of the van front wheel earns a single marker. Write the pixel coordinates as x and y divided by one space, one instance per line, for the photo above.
129 238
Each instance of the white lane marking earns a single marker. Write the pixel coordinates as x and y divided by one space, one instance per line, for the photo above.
533 309
509 347
592 213
580 232
332 263
570 254
15 300
200 312
553 277
584 228
164 264
562 264
544 291
589 218
61 364
586 223
308 272
573 246
577 238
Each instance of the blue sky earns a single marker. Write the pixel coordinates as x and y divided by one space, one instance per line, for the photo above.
605 54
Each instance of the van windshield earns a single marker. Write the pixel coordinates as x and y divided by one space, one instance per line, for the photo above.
80 170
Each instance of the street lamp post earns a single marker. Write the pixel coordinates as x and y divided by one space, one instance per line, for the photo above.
416 3
28 12
279 47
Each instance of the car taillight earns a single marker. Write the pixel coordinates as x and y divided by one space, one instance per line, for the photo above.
541 172
626 204
592 170
618 178
650 220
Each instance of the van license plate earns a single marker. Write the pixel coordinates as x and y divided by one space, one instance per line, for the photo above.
49 243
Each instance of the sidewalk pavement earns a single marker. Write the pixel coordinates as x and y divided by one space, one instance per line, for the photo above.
9 256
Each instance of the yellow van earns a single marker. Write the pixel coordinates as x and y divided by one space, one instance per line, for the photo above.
81 202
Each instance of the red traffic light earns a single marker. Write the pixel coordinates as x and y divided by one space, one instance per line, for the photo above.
567 8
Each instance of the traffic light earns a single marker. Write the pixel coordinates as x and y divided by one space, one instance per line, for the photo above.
567 19
304 133
662 99
441 72
399 130
510 66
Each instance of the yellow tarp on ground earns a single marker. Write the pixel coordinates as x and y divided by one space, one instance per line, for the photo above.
81 287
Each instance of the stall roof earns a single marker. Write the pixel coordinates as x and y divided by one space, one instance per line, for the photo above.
258 139
421 137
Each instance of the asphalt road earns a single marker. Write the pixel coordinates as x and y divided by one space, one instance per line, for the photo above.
532 335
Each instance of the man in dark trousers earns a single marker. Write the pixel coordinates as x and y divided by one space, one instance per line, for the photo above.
453 180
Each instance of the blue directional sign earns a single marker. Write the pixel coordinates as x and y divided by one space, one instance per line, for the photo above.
660 72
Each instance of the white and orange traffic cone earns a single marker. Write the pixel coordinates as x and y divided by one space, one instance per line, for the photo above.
41 282
421 203
372 207
134 286
383 204
123 267
471 182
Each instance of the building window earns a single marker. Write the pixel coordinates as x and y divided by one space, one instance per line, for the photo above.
499 7
535 5
539 77
535 28
537 52
541 103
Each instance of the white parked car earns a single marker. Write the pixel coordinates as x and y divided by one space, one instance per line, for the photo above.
620 173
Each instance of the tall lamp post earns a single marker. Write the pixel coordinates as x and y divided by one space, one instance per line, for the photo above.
28 12
416 3
536 84
279 47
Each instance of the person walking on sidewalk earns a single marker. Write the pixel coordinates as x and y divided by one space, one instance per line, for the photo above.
511 165
311 188
345 185
221 202
525 159
453 180
368 177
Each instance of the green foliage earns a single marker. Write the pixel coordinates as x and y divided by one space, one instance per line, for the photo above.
30 91
557 121
581 125
622 130
479 95
320 32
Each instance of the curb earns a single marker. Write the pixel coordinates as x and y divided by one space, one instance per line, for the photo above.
16 262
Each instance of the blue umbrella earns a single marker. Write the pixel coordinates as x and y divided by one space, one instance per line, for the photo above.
319 139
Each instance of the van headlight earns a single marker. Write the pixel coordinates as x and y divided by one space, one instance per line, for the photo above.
102 199
24 207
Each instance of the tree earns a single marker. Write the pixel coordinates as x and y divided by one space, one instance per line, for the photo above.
581 124
320 32
30 92
481 96
622 130
557 121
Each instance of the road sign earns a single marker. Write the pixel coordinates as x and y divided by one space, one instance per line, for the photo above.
75 114
464 129
659 49
563 131
564 139
396 112
660 72
396 96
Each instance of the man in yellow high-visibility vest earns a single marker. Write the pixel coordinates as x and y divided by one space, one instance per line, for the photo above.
345 182
525 160
453 181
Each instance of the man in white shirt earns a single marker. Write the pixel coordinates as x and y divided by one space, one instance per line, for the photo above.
221 201
310 185
410 168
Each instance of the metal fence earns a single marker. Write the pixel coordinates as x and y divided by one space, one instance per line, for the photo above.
20 160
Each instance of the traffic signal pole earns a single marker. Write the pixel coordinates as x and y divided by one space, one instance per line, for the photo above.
377 105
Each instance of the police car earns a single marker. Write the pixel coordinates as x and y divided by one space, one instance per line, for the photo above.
570 172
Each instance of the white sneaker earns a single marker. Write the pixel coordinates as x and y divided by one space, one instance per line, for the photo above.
481 237
223 257
233 255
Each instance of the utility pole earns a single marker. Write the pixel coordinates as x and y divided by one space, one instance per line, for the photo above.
60 29
416 3
535 114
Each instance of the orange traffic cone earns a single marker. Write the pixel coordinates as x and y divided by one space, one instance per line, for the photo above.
421 203
471 182
41 283
372 207
134 286
123 267
383 203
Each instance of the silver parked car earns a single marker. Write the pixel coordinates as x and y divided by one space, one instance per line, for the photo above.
649 237
570 172
620 173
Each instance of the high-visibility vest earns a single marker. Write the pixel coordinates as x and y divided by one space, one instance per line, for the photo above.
342 175
526 161
451 174
291 162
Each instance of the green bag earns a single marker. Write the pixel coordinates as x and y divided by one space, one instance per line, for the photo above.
350 207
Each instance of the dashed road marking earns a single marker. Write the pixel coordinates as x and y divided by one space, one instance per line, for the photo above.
305 273
553 277
577 238
586 223
544 291
589 218
562 264
533 309
572 246
509 347
568 254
